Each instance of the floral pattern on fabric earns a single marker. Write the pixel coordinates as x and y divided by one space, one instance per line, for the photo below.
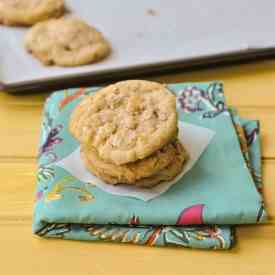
248 133
191 215
211 237
209 103
66 184
51 140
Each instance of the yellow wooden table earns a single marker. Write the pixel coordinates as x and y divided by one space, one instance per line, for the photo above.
251 88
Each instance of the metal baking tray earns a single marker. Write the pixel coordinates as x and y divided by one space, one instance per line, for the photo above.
147 36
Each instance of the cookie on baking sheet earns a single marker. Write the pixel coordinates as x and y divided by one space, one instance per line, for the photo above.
29 12
126 121
66 42
131 172
170 171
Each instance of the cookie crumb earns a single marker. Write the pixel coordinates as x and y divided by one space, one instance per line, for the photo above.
152 12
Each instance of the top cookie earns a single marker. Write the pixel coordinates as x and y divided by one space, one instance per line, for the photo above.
126 121
66 42
29 12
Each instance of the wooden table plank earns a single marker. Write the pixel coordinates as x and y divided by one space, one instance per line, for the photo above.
35 99
17 189
21 253
20 128
249 87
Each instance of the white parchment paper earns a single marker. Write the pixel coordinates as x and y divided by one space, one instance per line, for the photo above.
195 140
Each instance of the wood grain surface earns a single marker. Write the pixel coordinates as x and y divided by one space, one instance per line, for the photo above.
249 87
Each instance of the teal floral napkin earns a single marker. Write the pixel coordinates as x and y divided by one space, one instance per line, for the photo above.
222 189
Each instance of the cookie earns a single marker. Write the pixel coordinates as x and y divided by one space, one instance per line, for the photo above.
167 173
29 12
126 121
66 42
131 172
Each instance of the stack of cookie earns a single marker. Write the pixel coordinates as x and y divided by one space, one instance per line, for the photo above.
128 133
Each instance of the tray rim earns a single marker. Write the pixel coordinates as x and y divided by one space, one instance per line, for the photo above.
143 70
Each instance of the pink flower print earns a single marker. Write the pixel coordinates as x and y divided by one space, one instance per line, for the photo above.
39 195
191 215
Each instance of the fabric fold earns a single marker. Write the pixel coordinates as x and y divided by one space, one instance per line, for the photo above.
197 212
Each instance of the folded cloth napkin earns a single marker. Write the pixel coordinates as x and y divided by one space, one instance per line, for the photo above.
222 189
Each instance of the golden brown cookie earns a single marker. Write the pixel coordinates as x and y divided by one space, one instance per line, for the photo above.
29 12
126 121
131 172
168 172
66 42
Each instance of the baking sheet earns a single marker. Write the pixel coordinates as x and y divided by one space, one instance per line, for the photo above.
148 34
